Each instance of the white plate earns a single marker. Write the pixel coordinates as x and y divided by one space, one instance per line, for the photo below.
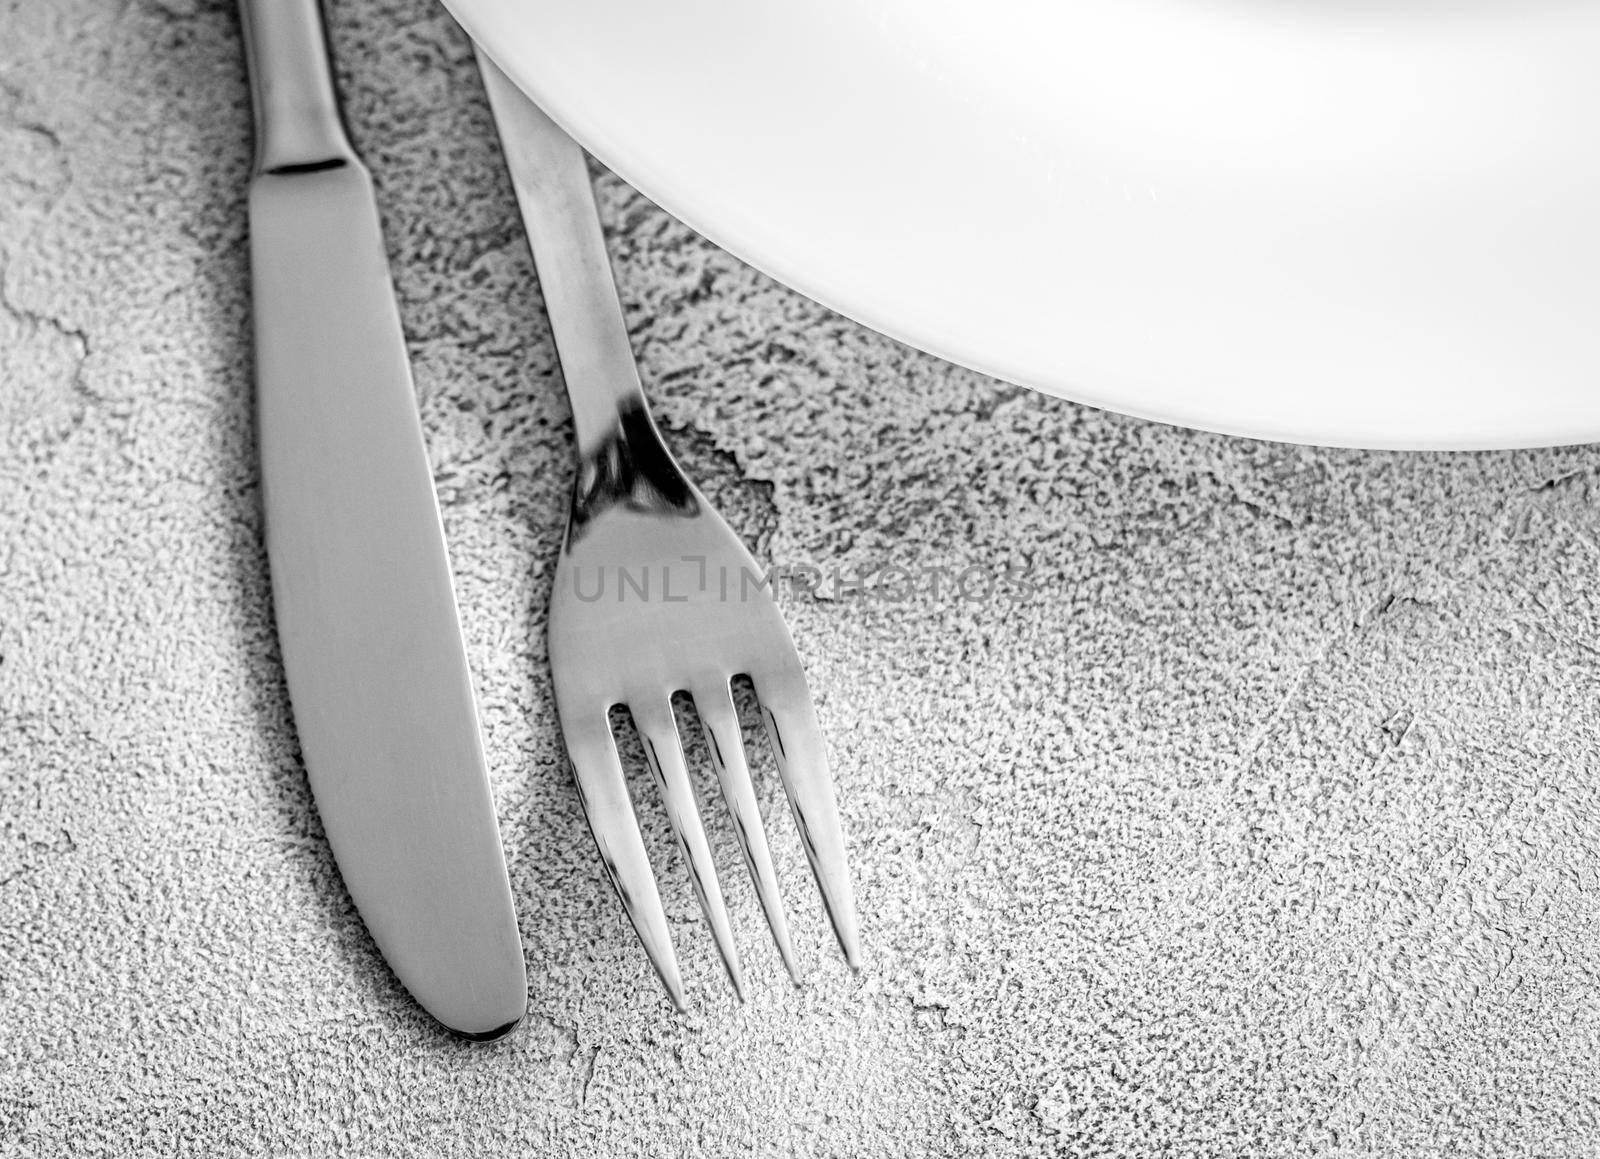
1359 222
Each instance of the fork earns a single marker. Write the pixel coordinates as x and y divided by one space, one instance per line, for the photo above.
614 639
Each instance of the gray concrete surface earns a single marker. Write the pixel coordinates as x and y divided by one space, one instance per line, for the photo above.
1266 825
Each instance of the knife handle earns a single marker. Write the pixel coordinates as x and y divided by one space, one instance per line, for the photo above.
298 126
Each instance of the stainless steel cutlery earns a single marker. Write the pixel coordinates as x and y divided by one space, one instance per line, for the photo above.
634 514
366 613
361 584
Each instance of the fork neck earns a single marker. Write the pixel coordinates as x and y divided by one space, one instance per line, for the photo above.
580 299
298 126
551 179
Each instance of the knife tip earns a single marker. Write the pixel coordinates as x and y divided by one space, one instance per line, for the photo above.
489 1035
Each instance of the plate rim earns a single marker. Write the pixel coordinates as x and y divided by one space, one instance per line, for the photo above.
661 189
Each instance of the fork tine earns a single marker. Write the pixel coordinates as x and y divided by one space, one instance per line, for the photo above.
803 765
658 732
604 795
720 723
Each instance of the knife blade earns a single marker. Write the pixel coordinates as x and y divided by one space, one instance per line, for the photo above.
362 591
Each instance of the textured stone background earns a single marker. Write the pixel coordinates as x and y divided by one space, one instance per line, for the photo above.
1268 826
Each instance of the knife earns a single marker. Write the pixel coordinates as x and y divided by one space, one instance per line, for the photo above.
366 612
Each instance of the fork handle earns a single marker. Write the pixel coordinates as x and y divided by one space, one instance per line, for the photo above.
291 86
580 295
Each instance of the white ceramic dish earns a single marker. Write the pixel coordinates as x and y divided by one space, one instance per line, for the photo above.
1358 222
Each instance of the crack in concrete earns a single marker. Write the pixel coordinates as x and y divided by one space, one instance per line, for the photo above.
78 340
51 137
1229 481
1261 509
53 189
1297 682
37 320
1555 499
592 1064
13 100
1561 482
